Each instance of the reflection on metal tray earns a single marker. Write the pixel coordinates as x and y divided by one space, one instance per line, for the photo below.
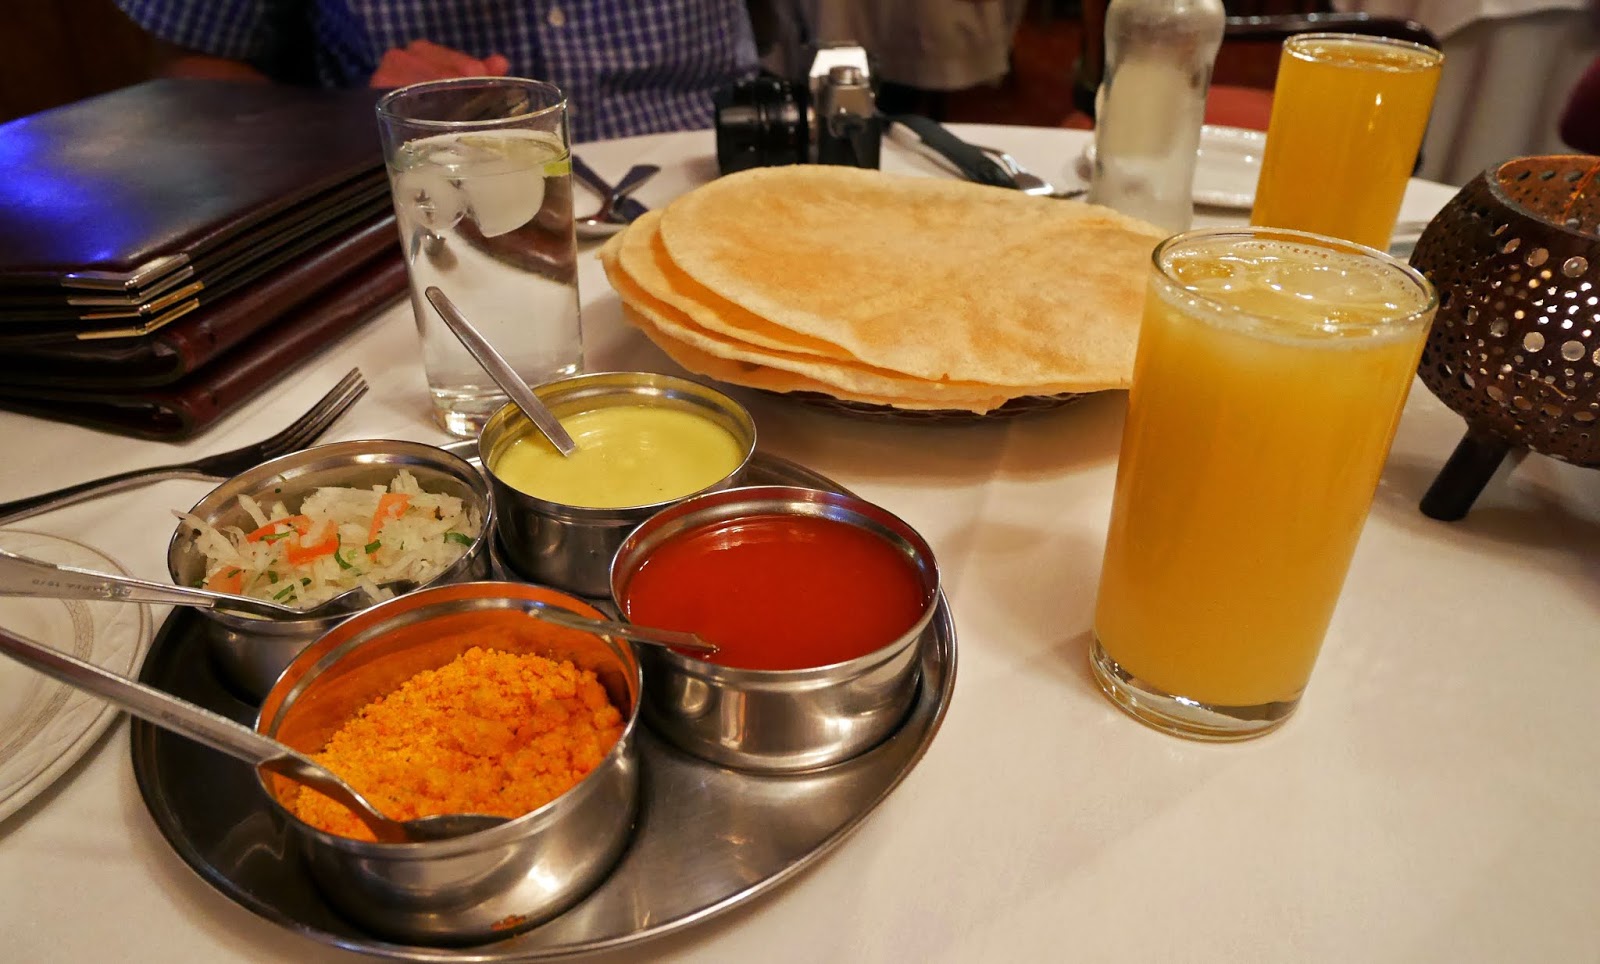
707 839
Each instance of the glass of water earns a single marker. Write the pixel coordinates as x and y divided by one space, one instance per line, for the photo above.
481 177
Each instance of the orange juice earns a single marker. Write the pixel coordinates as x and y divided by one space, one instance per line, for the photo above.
1348 116
1269 379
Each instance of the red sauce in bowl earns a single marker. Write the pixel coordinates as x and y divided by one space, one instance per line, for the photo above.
780 591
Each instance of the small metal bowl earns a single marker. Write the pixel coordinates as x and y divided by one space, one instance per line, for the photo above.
486 885
570 546
251 651
778 721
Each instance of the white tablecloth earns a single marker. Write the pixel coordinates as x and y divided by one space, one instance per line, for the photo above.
1509 65
1433 800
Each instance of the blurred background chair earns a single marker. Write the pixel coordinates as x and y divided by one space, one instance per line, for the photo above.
1247 63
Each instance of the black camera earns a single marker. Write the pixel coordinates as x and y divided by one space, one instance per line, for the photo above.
829 118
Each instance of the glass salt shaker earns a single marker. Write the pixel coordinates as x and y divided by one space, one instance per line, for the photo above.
1150 106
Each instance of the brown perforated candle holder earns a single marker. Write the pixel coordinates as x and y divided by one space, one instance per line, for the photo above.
1515 347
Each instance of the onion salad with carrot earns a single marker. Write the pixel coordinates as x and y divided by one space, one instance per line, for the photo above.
340 539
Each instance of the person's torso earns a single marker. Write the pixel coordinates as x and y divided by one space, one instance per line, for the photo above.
627 66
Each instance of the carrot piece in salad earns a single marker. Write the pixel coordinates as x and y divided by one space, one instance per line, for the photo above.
298 523
226 580
298 551
390 506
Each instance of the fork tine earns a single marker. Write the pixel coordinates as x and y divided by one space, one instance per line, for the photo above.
330 408
298 434
307 433
313 430
353 376
310 426
323 403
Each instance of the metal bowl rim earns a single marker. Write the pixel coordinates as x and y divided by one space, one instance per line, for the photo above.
450 463
774 499
623 751
583 386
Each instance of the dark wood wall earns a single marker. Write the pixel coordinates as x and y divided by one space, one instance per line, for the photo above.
54 52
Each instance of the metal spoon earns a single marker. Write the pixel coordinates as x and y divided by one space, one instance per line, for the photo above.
667 638
1027 181
21 576
238 741
609 220
501 371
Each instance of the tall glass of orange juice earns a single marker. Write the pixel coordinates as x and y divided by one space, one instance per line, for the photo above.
1271 370
1348 115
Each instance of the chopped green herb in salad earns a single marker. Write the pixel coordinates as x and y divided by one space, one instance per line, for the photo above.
405 534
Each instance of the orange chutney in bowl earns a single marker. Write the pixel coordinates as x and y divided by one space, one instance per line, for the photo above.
493 731
780 592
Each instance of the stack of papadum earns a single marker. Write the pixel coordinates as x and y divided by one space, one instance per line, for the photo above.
876 288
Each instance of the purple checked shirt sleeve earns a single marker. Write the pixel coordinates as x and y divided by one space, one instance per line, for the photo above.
223 28
634 68
626 67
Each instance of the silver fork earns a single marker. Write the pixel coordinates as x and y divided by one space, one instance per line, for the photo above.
299 434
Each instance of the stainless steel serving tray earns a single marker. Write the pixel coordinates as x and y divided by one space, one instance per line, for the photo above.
707 839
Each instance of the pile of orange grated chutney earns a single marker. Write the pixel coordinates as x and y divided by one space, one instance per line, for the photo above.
491 732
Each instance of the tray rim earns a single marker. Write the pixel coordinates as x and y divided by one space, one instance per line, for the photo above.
939 642
939 646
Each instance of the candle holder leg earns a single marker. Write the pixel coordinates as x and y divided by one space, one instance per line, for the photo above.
1463 477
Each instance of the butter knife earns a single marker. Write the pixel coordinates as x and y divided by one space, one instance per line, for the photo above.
931 137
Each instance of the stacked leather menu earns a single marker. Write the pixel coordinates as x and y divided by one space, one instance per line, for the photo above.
167 249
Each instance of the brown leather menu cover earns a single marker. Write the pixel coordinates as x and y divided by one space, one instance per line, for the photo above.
38 315
118 191
164 356
190 406
194 297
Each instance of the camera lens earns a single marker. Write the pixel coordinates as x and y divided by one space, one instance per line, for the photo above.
760 123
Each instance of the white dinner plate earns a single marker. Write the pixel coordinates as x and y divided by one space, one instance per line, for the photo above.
1226 168
46 726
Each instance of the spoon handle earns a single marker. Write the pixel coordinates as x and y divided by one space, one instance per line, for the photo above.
198 724
637 175
495 364
21 576
146 702
674 638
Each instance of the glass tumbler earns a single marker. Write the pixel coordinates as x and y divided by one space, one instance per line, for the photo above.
1271 371
480 172
1348 115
